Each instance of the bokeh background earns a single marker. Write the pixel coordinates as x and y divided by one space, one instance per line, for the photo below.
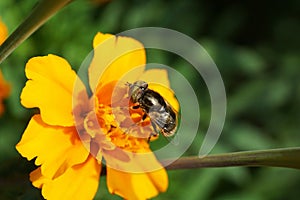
255 45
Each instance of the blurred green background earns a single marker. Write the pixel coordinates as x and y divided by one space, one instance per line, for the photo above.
255 45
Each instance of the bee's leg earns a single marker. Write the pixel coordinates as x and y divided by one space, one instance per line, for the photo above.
139 123
155 133
135 106
143 119
144 116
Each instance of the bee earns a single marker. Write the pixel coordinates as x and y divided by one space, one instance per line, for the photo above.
162 116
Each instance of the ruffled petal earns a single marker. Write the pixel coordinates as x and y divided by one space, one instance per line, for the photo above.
50 88
115 57
136 185
56 148
79 182
37 178
142 177
161 85
158 76
110 93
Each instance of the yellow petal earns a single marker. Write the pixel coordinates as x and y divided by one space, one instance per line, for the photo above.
115 57
142 177
56 148
138 159
104 94
158 76
37 178
3 32
77 183
137 186
50 88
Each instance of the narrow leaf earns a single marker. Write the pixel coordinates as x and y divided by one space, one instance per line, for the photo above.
285 157
40 14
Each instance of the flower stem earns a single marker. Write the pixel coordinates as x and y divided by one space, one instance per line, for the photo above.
286 157
40 14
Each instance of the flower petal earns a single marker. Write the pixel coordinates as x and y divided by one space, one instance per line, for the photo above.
79 182
3 32
115 57
37 178
158 76
50 87
136 185
104 94
142 177
56 148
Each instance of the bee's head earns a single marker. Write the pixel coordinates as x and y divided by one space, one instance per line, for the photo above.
136 90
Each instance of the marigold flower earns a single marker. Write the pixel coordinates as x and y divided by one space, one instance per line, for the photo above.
4 86
74 132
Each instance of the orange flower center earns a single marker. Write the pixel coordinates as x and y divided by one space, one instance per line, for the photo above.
114 125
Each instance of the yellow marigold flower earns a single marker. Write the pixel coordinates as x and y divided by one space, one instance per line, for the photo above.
65 137
4 86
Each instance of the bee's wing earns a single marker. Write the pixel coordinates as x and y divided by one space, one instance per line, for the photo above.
172 103
158 123
174 139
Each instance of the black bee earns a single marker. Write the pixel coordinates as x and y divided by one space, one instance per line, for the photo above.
162 116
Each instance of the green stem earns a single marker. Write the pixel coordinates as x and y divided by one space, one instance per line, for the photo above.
286 157
40 14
